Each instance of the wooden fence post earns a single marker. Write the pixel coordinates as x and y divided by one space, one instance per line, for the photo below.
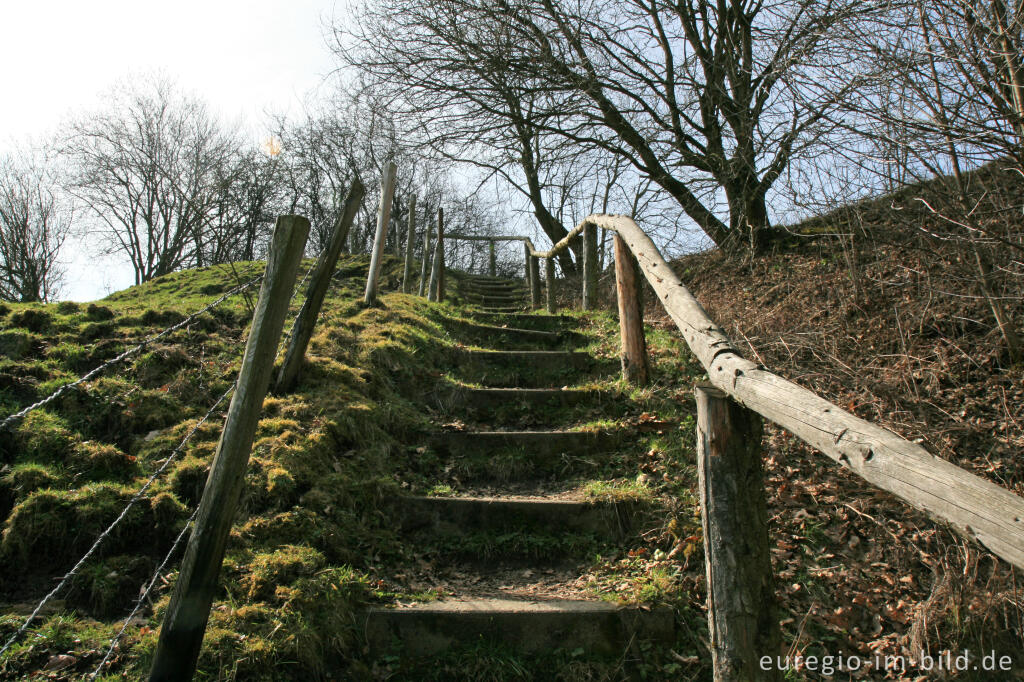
589 267
534 263
435 291
387 197
549 280
741 595
181 635
635 369
527 281
320 280
426 256
493 264
409 239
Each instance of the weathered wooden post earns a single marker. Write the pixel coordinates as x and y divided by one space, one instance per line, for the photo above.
441 275
741 595
409 239
549 280
534 262
387 197
589 266
527 282
426 256
181 634
320 280
493 263
435 292
635 369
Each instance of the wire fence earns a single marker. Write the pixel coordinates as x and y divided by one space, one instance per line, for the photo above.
144 595
11 419
106 533
149 586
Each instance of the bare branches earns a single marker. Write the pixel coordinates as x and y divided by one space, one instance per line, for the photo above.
34 222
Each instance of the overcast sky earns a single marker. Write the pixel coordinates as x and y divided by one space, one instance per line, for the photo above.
242 56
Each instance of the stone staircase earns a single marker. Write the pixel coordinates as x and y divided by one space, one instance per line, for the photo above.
512 531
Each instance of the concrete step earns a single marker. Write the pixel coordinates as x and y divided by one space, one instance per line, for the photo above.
527 320
527 627
528 368
493 298
538 443
511 337
457 516
502 308
483 400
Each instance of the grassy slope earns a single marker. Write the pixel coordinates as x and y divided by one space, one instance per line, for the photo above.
310 536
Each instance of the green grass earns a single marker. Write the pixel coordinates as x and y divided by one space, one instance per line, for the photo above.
312 526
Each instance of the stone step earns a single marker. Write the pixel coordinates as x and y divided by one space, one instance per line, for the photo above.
527 627
456 516
538 443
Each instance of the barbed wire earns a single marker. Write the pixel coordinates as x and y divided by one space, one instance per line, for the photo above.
126 354
144 595
147 588
290 329
103 536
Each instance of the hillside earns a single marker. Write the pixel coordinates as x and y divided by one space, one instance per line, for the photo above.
319 537
896 331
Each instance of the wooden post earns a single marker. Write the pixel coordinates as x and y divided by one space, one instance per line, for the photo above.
435 290
527 282
426 256
493 265
320 280
631 317
181 634
589 267
549 280
410 237
440 256
742 618
534 264
387 197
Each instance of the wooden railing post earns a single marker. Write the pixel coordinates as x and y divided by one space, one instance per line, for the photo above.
527 281
181 635
435 292
493 262
742 618
549 281
589 266
534 262
635 369
426 256
387 197
320 280
410 237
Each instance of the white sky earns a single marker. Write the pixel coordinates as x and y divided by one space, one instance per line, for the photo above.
243 57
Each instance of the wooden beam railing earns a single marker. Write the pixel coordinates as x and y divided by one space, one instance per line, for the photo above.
978 509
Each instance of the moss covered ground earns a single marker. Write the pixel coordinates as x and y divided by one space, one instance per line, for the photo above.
313 530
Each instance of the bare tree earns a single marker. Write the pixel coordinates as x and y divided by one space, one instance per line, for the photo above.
707 100
148 170
34 223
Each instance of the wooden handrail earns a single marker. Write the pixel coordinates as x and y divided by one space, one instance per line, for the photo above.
976 508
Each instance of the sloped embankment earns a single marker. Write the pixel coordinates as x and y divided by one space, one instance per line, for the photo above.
887 332
313 541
